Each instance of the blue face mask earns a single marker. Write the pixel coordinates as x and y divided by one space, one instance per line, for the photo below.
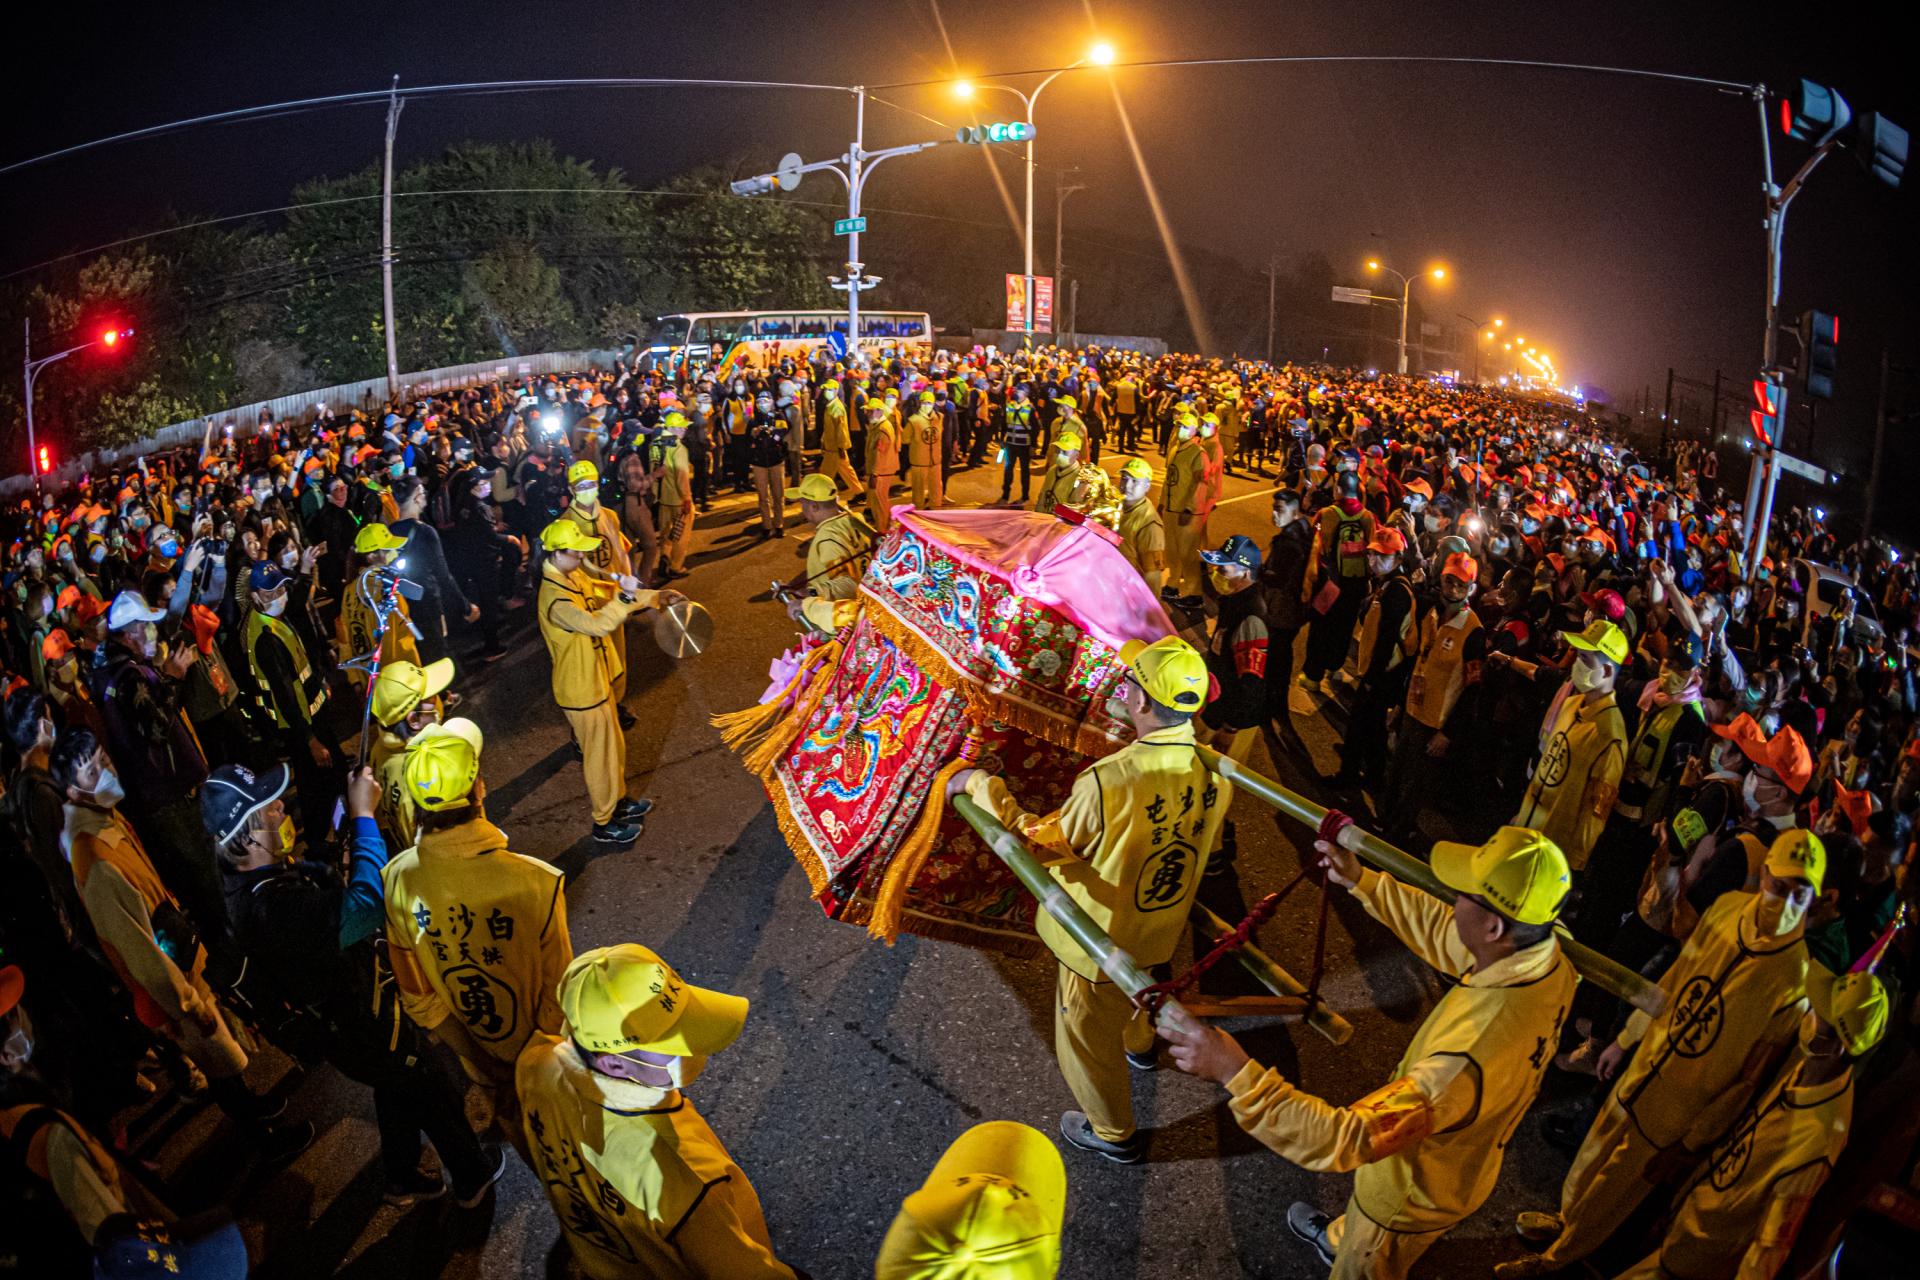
168 549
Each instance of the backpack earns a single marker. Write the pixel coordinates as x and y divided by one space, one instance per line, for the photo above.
1350 544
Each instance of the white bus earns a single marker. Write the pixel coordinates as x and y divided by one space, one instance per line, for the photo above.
720 340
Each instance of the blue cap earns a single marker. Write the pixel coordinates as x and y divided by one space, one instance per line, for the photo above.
266 576
392 419
1239 549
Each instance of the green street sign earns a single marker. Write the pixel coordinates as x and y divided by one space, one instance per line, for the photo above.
847 226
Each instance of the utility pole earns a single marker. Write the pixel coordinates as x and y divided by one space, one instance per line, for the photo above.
1273 269
1879 446
1073 314
394 103
1666 413
1713 422
1062 188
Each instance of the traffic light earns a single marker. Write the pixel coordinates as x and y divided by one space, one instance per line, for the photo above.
1819 352
1813 113
1880 146
1771 414
45 460
1005 131
757 186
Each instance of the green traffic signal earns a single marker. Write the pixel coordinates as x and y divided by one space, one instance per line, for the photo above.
1004 131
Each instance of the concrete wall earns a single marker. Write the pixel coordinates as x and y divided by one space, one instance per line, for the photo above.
368 395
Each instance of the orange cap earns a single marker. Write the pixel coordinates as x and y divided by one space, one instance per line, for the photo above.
56 646
1462 566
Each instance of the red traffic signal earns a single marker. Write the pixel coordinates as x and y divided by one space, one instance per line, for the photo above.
1772 410
111 337
45 460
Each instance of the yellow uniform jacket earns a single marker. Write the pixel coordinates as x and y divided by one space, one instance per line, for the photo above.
1428 1146
611 555
478 933
640 1183
582 631
1129 844
837 557
1583 751
1734 1003
1182 488
834 434
1143 540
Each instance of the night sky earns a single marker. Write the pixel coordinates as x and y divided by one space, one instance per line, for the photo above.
1615 221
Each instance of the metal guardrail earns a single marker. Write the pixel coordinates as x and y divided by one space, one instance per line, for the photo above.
1603 971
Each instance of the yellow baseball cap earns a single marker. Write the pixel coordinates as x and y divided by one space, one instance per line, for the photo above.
617 999
1797 854
990 1210
1855 1005
817 487
377 537
1068 401
401 686
1137 468
1171 671
442 764
1601 637
1068 440
1520 872
565 534
582 470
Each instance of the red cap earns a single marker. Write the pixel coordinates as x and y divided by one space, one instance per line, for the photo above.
1387 541
1606 602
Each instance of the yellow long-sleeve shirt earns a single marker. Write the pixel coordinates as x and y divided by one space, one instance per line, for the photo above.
582 631
640 1183
1583 752
1129 844
1428 1145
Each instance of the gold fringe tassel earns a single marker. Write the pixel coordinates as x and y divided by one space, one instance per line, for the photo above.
743 730
773 745
891 899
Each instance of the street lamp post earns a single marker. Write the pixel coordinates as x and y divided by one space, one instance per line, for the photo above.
1406 294
1481 334
31 370
1100 55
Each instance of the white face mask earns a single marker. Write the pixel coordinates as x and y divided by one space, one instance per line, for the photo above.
1779 917
275 607
288 559
1586 677
684 1071
483 491
107 791
587 496
16 1050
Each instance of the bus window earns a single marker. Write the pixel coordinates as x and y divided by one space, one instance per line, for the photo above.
913 326
840 325
872 326
774 327
810 326
668 331
702 332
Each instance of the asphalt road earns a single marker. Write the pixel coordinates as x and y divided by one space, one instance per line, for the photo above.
859 1063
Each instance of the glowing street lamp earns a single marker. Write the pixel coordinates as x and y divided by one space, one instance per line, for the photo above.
1406 289
1100 55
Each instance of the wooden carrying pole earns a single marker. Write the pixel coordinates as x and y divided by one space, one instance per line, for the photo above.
1607 974
1116 963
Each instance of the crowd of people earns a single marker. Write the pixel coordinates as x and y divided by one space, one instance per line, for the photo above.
240 810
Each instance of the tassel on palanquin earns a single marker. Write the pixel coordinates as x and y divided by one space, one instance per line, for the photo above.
761 732
890 900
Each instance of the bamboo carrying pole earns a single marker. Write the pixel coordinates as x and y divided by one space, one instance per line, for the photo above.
1604 972
1114 962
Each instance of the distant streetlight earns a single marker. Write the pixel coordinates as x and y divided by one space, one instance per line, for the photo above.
1406 290
1100 55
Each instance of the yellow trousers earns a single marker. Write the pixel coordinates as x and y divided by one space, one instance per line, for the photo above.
1094 1027
770 484
1365 1250
1606 1182
495 1078
676 532
603 756
925 482
834 462
1183 554
880 499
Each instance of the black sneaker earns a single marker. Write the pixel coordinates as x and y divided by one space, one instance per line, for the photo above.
627 718
631 810
616 832
414 1188
282 1142
468 1200
1309 1224
1078 1131
1148 1061
494 654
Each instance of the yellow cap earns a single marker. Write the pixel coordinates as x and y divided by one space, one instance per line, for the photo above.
1137 468
1601 637
1797 854
1520 872
567 535
817 487
990 1210
1068 401
1068 440
377 537
401 686
1855 1005
442 764
617 999
1171 671
674 421
582 470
